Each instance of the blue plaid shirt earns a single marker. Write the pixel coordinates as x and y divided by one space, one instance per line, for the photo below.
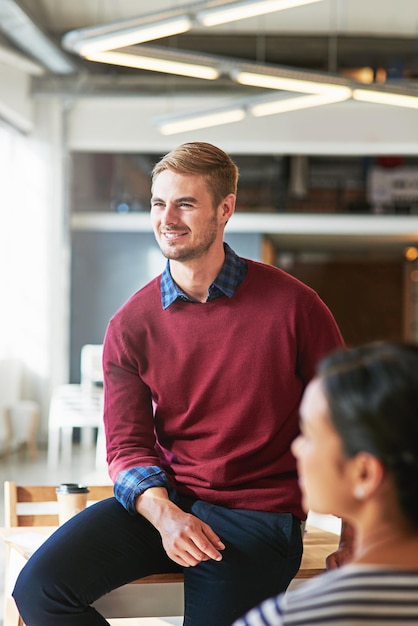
134 481
232 272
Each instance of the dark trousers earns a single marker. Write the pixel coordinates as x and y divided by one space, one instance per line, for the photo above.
105 547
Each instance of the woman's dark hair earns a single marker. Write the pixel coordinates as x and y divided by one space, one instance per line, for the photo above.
372 394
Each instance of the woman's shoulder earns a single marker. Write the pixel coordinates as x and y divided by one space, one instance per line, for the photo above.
353 585
353 594
353 574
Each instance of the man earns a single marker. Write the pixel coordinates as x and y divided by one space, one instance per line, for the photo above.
204 370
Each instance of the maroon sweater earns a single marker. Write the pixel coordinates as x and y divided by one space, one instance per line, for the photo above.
210 392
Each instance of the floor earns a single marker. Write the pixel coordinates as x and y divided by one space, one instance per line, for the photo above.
21 468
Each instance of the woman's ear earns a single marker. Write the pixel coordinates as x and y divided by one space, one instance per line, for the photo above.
368 474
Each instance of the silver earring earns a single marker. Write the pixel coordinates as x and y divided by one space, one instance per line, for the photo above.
359 492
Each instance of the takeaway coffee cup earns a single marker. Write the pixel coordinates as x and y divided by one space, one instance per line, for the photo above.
72 498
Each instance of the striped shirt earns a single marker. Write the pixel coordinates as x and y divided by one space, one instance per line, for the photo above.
355 595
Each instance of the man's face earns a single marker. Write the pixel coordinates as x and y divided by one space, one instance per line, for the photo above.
185 222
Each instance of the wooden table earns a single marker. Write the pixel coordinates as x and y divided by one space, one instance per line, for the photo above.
318 544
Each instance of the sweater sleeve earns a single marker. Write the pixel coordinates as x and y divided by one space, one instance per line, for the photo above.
128 410
318 335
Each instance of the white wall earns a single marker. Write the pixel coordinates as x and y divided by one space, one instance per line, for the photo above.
16 105
34 253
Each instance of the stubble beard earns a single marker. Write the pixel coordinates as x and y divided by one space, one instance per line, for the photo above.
174 253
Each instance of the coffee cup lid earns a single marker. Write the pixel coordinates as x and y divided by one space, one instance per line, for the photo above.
72 488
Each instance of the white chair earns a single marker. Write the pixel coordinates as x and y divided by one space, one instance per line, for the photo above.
91 369
19 418
71 407
78 405
91 379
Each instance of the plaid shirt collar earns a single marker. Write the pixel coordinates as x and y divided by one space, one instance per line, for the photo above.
232 273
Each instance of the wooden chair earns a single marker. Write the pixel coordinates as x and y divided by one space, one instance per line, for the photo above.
36 506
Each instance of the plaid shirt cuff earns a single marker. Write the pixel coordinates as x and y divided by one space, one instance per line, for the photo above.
132 482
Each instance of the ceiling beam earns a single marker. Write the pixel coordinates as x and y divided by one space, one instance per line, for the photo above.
20 29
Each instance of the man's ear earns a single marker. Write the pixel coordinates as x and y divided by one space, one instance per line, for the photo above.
228 206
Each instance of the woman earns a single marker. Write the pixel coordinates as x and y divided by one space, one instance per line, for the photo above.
357 458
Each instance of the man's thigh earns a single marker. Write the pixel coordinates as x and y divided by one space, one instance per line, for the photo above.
101 548
262 555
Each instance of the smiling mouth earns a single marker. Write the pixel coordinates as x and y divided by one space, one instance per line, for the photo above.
172 235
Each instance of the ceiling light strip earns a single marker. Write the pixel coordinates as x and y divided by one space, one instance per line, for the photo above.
132 36
170 125
86 41
285 105
201 120
275 81
385 97
99 44
205 72
242 10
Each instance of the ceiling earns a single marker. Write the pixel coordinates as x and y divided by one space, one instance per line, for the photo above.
339 36
336 36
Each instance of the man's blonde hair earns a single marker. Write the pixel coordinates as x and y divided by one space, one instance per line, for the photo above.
219 170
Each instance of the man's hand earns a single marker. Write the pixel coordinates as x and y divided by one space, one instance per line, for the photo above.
344 552
186 539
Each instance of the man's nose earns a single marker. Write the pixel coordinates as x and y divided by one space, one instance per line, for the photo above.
169 215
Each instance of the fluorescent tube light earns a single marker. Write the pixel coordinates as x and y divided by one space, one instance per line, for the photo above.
235 112
203 119
284 105
245 9
99 43
271 81
156 64
134 35
384 97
